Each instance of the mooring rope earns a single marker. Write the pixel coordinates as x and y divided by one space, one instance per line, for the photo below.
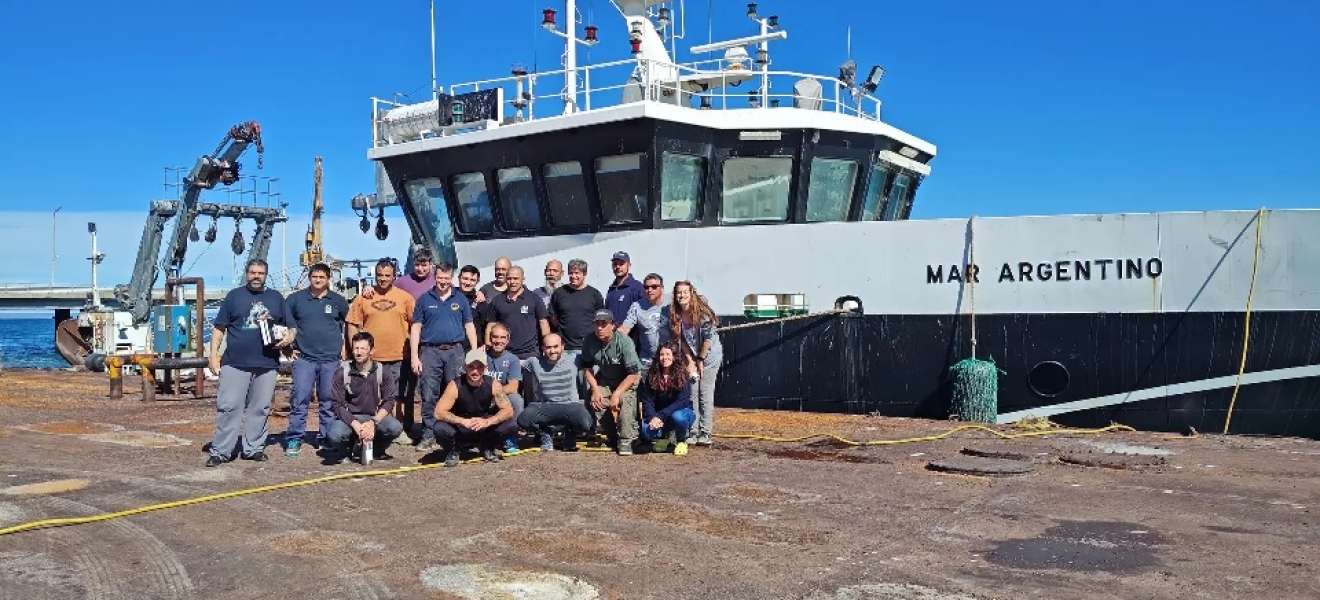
832 311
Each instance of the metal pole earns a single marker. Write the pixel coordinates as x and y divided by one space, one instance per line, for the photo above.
435 93
765 68
570 57
96 291
53 254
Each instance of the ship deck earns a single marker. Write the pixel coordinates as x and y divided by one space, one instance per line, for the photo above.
1116 514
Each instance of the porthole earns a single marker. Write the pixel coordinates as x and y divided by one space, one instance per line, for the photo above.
1049 378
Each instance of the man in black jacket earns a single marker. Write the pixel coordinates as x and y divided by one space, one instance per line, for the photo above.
364 396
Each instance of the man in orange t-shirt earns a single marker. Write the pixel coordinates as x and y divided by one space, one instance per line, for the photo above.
387 316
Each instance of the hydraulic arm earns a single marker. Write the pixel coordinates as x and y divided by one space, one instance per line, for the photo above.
220 167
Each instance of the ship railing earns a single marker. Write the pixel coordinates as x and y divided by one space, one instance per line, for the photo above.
705 85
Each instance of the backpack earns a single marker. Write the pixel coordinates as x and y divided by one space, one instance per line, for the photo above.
347 366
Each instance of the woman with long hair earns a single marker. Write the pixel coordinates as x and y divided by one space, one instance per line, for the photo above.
692 324
666 395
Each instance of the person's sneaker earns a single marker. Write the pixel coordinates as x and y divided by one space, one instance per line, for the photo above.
680 449
214 461
625 449
258 456
703 440
569 443
547 443
426 445
490 455
292 448
451 459
511 447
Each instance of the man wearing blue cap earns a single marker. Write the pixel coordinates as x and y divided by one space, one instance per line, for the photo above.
625 290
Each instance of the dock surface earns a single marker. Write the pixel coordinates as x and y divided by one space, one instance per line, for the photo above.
969 516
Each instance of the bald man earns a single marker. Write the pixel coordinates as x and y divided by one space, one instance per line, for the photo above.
554 273
557 401
496 287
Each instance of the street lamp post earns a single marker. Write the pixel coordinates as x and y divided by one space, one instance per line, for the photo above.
53 246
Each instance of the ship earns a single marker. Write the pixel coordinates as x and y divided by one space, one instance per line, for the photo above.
786 199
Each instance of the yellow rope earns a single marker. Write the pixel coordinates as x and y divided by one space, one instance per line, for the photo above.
1246 328
61 522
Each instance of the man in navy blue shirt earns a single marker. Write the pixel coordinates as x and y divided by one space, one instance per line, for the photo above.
257 324
318 315
442 322
625 290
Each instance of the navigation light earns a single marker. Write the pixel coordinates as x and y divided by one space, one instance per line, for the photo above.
549 22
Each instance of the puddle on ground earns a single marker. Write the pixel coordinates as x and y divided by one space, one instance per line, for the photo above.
320 543
1121 448
573 546
480 582
1112 547
894 591
143 439
45 487
71 427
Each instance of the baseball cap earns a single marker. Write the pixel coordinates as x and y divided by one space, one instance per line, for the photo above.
621 256
603 315
475 356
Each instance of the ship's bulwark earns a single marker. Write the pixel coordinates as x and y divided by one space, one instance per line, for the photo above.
898 365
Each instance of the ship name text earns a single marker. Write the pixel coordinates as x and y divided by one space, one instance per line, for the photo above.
1101 269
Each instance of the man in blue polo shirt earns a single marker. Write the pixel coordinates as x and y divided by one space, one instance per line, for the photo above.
442 321
625 290
319 314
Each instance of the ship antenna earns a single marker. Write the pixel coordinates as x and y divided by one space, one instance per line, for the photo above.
850 42
710 21
435 93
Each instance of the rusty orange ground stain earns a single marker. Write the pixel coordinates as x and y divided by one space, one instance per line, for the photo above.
747 491
71 428
45 487
568 545
711 523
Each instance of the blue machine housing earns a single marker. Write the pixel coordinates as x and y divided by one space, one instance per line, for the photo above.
171 329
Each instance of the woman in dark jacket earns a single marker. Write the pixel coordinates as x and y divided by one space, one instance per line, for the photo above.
666 396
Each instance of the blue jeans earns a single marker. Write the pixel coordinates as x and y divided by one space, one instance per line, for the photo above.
439 367
680 423
306 376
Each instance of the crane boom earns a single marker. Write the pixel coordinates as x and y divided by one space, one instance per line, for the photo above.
315 250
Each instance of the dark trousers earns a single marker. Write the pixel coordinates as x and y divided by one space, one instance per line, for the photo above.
406 405
491 437
536 417
439 367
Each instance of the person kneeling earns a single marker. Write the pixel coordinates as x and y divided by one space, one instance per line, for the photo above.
363 392
473 409
557 400
666 397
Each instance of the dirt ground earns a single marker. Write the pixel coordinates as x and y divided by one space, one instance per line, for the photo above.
1121 515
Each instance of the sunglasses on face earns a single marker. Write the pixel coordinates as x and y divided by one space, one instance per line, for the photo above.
652 287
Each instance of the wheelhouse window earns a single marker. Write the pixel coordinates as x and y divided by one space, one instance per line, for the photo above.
428 200
756 189
875 189
622 183
897 196
474 203
518 198
830 189
681 178
568 194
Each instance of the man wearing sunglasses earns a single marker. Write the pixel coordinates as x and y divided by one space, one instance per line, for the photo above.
644 318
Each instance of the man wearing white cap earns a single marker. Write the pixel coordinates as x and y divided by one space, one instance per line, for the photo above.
473 408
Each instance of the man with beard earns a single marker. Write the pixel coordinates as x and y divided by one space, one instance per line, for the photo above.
554 273
419 282
318 315
468 278
625 290
496 287
574 307
474 408
248 317
442 321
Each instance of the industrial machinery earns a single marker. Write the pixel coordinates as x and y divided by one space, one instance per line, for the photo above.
173 329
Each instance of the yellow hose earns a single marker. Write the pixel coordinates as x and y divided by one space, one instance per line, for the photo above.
47 523
1246 328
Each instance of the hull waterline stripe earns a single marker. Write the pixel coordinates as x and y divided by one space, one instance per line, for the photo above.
1162 391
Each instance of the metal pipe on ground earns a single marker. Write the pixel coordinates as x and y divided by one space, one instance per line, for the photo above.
147 362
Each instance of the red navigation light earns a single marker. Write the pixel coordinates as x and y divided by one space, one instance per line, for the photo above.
636 46
591 34
549 22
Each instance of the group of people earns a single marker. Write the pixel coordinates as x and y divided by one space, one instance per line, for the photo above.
490 364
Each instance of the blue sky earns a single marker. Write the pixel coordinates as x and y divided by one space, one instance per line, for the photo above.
1037 107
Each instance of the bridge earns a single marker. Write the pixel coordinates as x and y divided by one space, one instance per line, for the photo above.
67 297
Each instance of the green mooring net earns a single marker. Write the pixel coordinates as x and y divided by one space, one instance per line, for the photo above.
976 390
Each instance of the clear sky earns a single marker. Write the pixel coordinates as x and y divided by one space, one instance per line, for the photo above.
1037 107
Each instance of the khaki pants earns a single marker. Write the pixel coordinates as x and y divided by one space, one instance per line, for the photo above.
625 427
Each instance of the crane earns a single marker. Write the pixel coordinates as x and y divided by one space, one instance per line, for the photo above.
315 251
219 167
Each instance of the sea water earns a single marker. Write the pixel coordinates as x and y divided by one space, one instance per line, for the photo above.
29 343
